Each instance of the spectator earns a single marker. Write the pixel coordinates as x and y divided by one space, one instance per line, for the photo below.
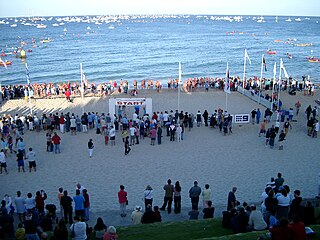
78 229
111 234
194 194
100 228
256 221
208 212
136 215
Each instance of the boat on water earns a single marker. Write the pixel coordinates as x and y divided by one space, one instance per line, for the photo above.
13 25
313 59
55 25
41 26
6 62
288 20
289 55
271 52
111 27
303 44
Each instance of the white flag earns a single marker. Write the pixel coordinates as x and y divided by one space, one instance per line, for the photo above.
275 69
4 63
284 70
227 82
247 56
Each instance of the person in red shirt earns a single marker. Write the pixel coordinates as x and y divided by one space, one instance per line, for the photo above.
123 201
68 94
297 228
86 204
56 142
40 197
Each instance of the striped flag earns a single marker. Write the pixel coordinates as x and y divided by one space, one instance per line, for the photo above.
227 82
247 56
27 75
4 63
284 70
264 64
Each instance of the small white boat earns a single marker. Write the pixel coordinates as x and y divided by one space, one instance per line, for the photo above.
65 30
111 27
88 28
41 26
13 25
55 25
298 19
288 20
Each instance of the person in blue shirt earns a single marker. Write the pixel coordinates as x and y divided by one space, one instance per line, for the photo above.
79 204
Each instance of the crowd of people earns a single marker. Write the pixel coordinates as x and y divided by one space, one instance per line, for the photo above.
48 90
282 212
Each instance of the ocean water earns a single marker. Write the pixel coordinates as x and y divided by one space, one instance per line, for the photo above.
131 47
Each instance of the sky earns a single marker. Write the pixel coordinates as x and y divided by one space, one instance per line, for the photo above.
18 8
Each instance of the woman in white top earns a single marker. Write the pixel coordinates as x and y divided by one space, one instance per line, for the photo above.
148 196
283 204
206 194
30 202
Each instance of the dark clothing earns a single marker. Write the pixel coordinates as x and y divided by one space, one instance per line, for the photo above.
159 135
208 212
167 200
148 217
66 202
177 204
239 223
61 233
194 194
31 226
157 216
231 201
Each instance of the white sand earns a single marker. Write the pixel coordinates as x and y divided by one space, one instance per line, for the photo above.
240 159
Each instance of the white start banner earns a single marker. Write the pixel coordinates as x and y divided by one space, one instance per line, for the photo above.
130 101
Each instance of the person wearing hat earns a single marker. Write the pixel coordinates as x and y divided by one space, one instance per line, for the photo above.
90 148
136 215
148 196
111 233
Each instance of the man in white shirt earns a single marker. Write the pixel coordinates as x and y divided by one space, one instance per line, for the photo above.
31 156
132 134
134 118
256 220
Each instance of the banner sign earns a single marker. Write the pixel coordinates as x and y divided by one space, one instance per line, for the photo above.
130 101
241 118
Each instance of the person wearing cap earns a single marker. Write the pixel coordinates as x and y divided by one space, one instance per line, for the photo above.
136 215
111 234
148 196
90 148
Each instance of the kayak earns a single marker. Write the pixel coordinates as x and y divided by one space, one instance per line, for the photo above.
271 52
7 63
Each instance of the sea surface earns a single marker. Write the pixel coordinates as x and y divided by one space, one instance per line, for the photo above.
150 47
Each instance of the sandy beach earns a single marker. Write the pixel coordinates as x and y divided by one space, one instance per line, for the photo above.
240 159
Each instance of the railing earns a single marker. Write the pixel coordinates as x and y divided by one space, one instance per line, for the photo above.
254 97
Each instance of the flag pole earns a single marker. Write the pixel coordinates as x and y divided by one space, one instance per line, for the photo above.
28 82
81 87
260 82
274 81
227 82
244 70
279 85
180 73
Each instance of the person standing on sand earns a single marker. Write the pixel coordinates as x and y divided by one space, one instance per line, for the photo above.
127 148
168 197
232 202
194 194
3 163
73 125
205 116
177 197
159 134
297 105
86 204
56 142
253 115
286 126
123 199
179 133
31 156
62 122
112 135
90 148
